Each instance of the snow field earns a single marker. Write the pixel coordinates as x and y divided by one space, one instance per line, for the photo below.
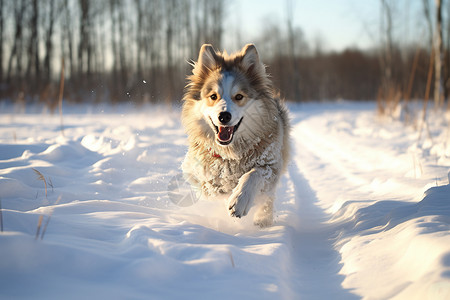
363 211
392 243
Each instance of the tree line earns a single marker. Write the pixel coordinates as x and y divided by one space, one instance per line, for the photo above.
391 72
111 50
138 50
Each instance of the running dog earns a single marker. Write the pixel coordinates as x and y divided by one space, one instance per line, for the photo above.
238 131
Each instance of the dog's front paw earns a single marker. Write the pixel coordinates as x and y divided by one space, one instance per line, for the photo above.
239 204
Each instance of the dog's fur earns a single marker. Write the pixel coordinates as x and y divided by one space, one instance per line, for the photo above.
238 131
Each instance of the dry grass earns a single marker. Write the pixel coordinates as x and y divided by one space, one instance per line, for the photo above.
42 178
388 99
50 183
39 226
48 218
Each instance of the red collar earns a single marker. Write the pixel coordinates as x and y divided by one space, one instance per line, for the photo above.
214 154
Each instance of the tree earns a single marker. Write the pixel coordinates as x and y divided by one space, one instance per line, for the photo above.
17 48
171 16
48 40
295 78
386 58
33 44
140 37
84 46
68 37
438 58
2 22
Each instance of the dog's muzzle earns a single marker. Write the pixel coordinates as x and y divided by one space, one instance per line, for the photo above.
225 133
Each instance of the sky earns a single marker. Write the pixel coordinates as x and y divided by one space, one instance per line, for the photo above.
338 24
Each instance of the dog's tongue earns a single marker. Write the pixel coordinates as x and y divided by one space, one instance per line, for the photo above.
225 133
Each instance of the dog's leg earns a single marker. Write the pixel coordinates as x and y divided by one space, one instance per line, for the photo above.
264 215
243 194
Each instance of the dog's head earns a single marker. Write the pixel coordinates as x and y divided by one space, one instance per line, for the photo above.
223 90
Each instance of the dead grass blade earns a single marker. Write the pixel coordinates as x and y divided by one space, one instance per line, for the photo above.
48 218
50 183
41 217
39 226
42 178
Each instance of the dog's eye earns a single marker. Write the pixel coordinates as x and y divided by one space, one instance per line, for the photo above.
238 97
213 97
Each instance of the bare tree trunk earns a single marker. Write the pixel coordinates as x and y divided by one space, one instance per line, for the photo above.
2 18
140 33
68 33
33 45
190 37
112 9
16 51
48 41
217 13
205 25
198 27
170 16
427 13
99 47
83 46
292 55
387 57
447 57
438 52
155 47
122 41
118 48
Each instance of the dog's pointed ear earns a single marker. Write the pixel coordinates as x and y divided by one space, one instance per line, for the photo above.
207 58
250 59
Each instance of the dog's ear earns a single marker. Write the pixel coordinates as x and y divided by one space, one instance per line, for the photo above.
250 59
207 58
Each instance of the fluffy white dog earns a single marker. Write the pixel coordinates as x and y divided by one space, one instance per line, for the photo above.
238 131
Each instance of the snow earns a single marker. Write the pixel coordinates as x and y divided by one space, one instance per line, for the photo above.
363 211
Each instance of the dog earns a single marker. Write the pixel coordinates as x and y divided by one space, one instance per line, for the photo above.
238 131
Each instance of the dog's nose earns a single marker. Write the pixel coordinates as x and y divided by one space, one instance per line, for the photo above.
224 117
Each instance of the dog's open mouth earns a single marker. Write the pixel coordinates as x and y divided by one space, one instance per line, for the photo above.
224 134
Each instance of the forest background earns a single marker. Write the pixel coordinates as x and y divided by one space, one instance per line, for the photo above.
139 51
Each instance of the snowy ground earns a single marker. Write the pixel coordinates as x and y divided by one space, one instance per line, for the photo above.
363 212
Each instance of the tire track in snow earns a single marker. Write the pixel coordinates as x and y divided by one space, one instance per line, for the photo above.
327 169
314 263
333 165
